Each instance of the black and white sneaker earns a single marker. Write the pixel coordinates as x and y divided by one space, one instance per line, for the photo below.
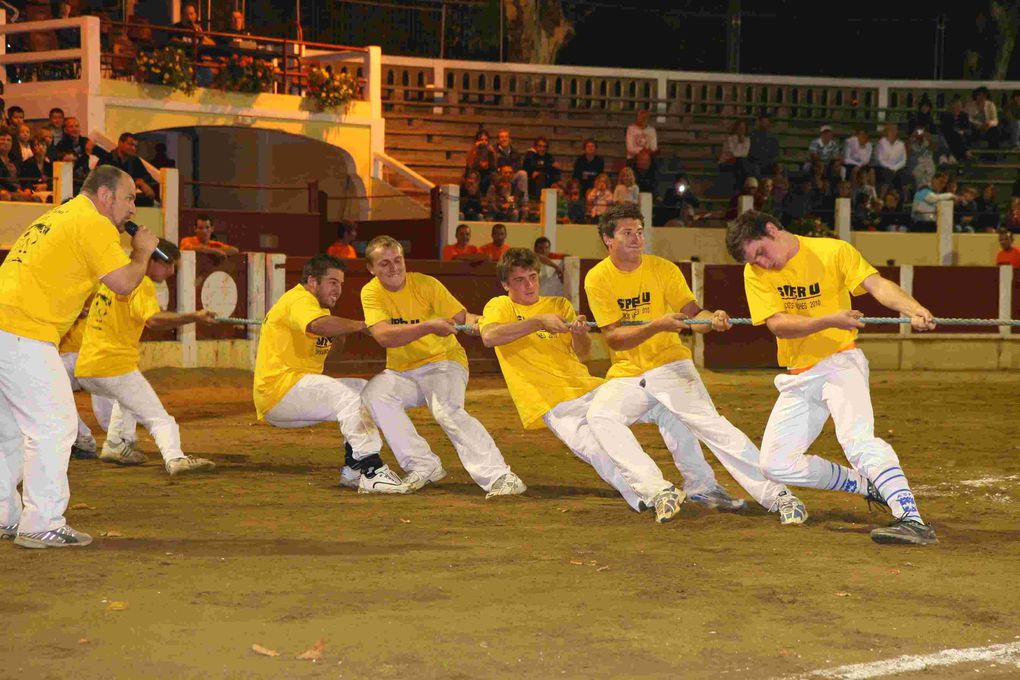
873 496
905 532
62 537
8 531
383 480
718 499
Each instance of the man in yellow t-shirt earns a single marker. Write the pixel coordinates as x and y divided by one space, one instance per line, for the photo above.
50 271
84 447
107 367
651 366
800 288
413 316
290 389
540 343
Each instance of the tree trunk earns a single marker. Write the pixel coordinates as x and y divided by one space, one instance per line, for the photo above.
537 30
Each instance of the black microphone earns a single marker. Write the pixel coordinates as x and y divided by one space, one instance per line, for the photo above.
130 227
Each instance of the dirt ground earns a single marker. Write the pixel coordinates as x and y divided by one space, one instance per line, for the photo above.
185 577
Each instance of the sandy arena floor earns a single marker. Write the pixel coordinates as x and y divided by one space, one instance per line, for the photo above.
185 577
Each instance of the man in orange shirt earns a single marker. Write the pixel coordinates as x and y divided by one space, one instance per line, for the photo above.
202 241
1009 254
343 247
462 250
495 250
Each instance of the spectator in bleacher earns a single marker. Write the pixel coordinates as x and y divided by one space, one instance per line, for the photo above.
922 117
550 276
507 155
24 143
1008 253
588 166
780 184
125 157
749 188
966 211
856 152
926 199
678 204
644 172
236 27
1011 122
500 202
1013 216
496 248
892 217
203 242
626 190
15 117
599 198
920 156
481 160
862 215
764 152
47 135
824 148
72 140
160 159
67 38
984 117
10 187
461 249
734 158
471 199
55 125
988 218
189 21
641 136
797 202
541 167
343 247
570 204
37 172
955 127
763 197
892 159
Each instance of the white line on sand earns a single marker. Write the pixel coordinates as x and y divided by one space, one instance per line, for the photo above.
902 664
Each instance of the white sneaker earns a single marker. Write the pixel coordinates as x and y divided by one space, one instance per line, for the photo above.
63 537
349 477
790 509
188 464
507 485
717 499
384 480
667 504
416 480
121 453
84 447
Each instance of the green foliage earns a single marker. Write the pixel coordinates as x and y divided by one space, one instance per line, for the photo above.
331 91
246 74
169 66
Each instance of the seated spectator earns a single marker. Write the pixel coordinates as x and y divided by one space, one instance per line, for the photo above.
763 197
922 118
10 186
202 241
921 156
734 158
823 148
797 202
599 198
988 217
74 142
461 249
1008 253
1012 115
892 217
856 152
550 276
644 172
780 184
125 157
55 125
47 136
496 248
862 215
750 188
626 190
541 167
500 202
471 206
24 145
678 204
641 136
15 117
984 117
864 185
1013 217
506 155
343 247
189 21
764 152
37 172
892 159
160 160
237 28
588 166
966 211
481 160
925 201
955 127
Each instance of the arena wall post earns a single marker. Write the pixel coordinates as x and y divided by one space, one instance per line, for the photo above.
63 181
944 226
449 203
842 220
645 202
169 201
186 269
548 216
256 298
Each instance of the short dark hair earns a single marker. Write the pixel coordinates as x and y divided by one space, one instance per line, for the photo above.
461 226
13 109
541 139
317 266
516 257
204 218
497 225
108 176
617 212
169 249
344 226
749 226
542 239
588 141
124 136
56 109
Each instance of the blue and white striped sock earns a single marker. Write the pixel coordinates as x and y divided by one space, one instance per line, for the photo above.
895 489
845 479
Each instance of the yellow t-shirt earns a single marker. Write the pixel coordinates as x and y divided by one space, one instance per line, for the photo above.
656 288
817 281
113 331
53 267
541 369
287 352
71 342
422 298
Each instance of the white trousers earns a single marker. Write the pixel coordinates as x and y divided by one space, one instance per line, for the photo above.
836 386
136 402
318 399
440 386
102 408
568 420
679 389
37 429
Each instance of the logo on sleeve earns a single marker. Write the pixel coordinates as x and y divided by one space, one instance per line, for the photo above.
323 345
399 321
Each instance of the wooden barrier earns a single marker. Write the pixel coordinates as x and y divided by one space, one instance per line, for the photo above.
218 285
301 234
